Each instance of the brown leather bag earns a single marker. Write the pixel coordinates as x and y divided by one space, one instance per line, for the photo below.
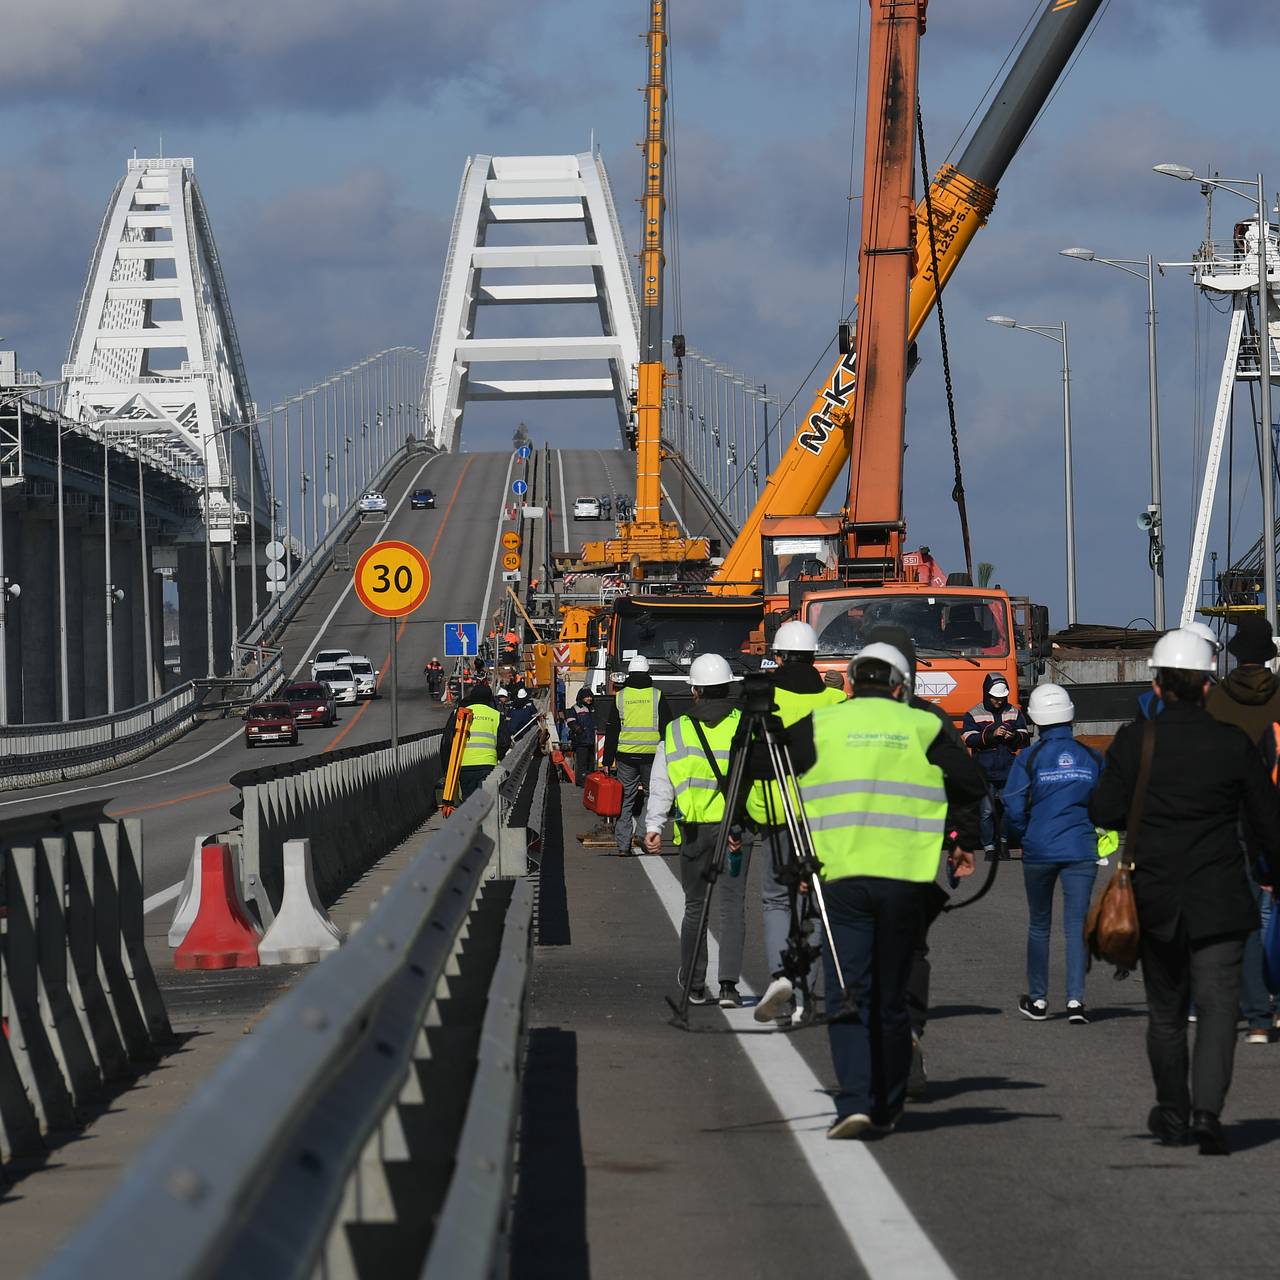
1111 931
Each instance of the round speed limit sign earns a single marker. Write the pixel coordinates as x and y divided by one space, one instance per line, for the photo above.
392 579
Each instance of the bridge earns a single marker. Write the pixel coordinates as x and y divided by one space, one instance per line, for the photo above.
483 1077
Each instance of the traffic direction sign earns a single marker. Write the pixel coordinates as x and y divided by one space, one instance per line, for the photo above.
511 540
519 488
461 639
392 578
524 452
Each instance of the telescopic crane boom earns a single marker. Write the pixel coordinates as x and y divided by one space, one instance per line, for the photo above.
962 197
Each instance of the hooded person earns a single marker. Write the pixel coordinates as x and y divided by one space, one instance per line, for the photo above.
995 731
521 713
638 717
488 739
582 726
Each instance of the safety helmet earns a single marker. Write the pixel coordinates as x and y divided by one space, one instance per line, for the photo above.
522 694
1182 650
886 653
1050 704
503 692
708 670
1205 632
795 637
638 663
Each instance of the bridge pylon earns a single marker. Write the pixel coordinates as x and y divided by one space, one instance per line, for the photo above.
593 269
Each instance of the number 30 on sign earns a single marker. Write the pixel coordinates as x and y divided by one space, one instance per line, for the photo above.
392 579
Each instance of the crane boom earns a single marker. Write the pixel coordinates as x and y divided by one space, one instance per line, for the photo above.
963 196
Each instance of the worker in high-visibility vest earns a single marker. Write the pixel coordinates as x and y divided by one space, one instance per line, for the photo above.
488 740
690 773
638 717
798 691
876 776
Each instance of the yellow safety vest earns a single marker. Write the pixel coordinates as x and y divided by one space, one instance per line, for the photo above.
764 800
875 804
638 717
698 795
482 741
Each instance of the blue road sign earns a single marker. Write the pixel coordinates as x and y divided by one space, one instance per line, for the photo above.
519 488
524 453
461 639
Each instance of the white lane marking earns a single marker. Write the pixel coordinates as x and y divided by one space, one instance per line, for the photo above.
158 900
238 735
350 587
675 510
564 510
497 546
889 1242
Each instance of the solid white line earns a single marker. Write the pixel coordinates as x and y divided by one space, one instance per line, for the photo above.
889 1242
564 510
238 735
497 546
157 900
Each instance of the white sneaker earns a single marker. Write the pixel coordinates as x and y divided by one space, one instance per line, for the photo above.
853 1126
777 995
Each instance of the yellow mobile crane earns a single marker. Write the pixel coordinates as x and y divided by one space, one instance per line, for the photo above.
647 538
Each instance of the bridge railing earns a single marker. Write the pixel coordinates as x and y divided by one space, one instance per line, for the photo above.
367 1127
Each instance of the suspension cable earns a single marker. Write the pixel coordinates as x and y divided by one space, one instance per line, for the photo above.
957 492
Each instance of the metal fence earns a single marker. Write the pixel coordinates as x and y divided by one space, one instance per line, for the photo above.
367 1127
77 993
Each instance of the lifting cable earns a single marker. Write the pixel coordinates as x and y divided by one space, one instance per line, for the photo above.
957 492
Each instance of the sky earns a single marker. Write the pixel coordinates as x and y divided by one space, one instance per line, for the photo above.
330 138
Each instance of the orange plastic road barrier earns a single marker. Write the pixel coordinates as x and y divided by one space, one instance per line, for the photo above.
222 936
461 732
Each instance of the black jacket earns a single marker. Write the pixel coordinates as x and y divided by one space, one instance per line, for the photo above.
613 725
1190 867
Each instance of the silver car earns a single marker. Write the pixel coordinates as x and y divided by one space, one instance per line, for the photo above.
366 675
340 679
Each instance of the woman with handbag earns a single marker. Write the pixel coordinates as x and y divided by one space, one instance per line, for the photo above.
1178 785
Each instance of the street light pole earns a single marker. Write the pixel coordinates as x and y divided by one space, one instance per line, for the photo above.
62 588
1264 398
152 692
108 590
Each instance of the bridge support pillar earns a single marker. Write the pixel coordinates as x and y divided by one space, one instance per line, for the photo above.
193 612
139 621
77 602
39 620
94 615
13 615
124 568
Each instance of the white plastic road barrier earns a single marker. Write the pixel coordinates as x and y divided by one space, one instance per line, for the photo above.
302 932
189 899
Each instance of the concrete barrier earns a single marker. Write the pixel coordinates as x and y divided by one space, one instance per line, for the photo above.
302 932
223 934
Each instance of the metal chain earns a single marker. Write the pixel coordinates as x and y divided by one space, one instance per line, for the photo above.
957 492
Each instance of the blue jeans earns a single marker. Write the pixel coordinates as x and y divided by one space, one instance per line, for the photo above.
1255 999
875 924
1077 888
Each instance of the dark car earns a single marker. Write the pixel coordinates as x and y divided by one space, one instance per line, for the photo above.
270 722
312 703
422 499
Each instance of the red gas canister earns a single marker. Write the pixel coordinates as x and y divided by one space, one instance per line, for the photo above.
602 795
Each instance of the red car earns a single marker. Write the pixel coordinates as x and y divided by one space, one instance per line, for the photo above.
270 722
312 703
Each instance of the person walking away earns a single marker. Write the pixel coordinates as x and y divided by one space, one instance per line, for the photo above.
583 728
487 740
1195 905
1249 698
638 718
995 731
798 691
963 831
690 774
1046 807
877 777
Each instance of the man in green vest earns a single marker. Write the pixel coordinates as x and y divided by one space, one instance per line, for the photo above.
690 773
638 718
798 691
876 778
488 740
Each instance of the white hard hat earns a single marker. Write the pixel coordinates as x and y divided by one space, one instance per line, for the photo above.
887 654
708 670
795 637
638 663
1182 650
521 694
1205 632
1050 704
502 691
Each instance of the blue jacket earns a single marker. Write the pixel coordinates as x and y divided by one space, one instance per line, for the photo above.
995 756
1046 800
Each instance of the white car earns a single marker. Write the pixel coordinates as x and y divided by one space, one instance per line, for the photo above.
328 658
340 679
586 509
366 675
373 502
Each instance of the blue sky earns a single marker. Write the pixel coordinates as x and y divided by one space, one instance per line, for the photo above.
329 140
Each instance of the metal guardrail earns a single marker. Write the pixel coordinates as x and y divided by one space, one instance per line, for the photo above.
31 754
77 993
368 1123
353 805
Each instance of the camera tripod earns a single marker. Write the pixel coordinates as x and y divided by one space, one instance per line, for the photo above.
794 866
